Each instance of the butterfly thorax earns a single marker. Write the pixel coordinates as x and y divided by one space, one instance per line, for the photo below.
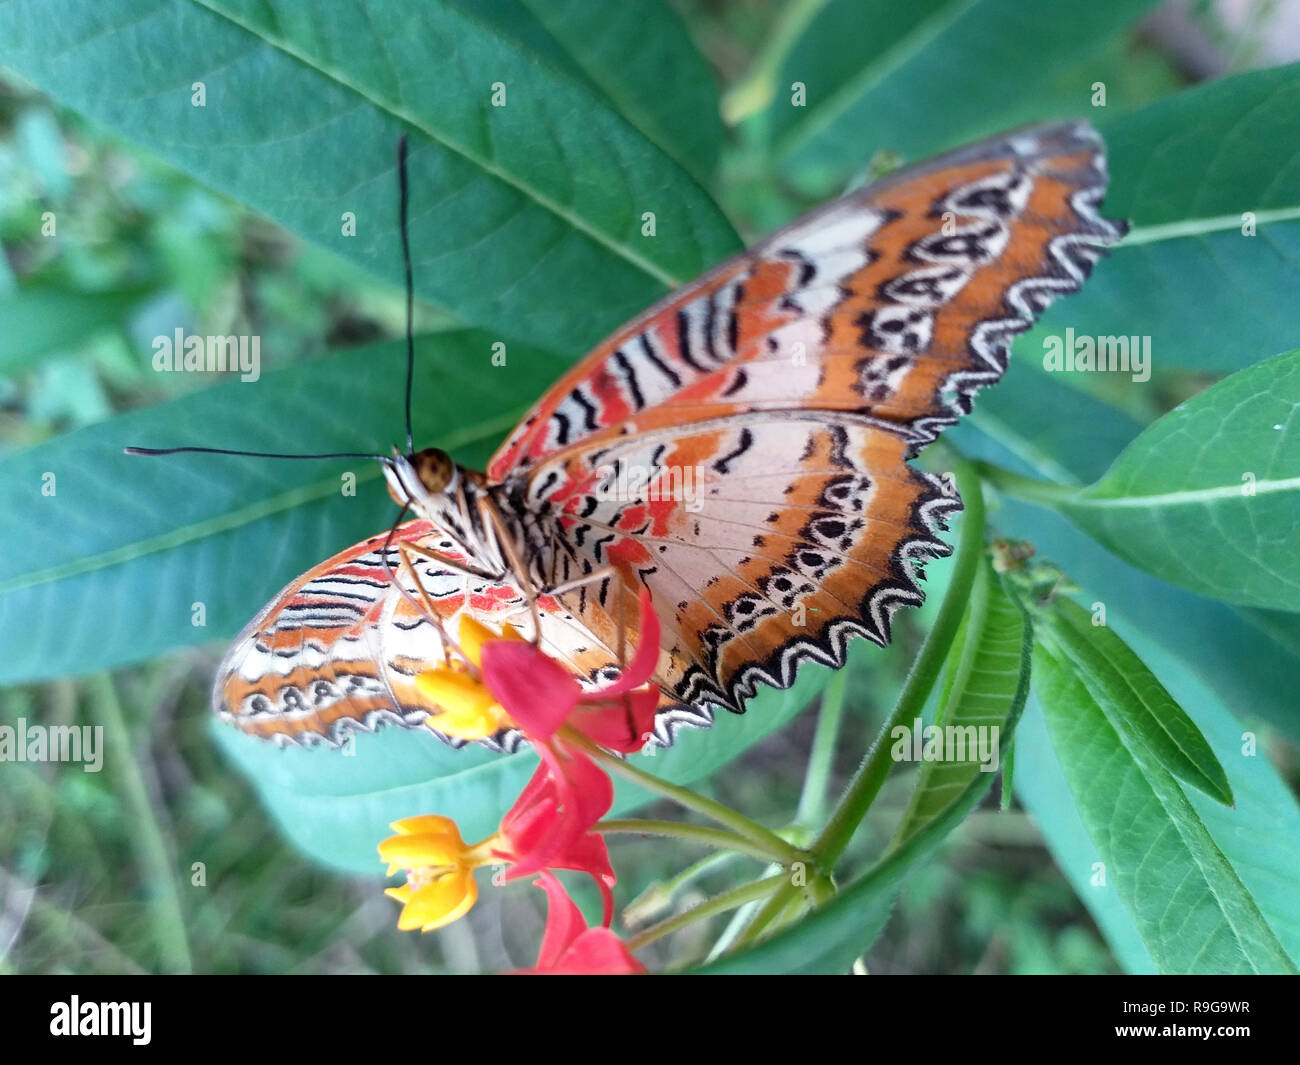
452 497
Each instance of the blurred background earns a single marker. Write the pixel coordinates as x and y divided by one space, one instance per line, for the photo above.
97 869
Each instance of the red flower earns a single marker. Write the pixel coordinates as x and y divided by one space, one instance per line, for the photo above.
540 695
549 825
518 685
570 948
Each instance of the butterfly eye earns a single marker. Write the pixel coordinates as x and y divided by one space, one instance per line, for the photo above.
434 468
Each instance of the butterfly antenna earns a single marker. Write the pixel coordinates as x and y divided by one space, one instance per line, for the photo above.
251 454
410 288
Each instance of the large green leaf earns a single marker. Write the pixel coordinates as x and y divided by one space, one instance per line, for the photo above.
624 54
1208 497
1191 907
511 205
1186 171
988 688
1034 424
107 569
915 78
1041 786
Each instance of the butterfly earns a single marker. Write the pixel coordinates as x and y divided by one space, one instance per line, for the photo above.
740 449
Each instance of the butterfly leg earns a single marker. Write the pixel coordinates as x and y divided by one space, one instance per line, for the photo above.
452 564
590 578
491 518
425 604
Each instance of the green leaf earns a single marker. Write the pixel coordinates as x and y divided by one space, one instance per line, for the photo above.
106 570
1192 909
989 687
623 53
1260 833
1208 496
336 805
1036 425
881 75
1134 701
1042 788
1186 170
505 200
43 319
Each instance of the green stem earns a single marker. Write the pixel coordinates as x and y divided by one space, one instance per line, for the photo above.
771 843
718 838
1027 488
152 852
757 86
728 900
871 775
816 781
866 783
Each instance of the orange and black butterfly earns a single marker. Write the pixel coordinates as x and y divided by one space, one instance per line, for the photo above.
740 450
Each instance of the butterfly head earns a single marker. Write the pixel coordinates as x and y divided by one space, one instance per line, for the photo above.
416 477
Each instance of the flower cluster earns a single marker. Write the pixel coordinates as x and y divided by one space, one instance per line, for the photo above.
508 682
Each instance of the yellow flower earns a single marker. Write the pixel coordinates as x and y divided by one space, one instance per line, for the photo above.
440 886
467 709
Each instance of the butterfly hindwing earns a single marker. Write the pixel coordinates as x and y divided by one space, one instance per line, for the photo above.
338 650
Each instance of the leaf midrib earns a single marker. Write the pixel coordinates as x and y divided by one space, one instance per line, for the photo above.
661 276
1187 497
178 537
1195 227
819 118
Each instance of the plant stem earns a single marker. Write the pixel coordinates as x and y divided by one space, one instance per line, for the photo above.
769 841
152 852
717 838
728 900
1027 488
866 783
757 86
812 799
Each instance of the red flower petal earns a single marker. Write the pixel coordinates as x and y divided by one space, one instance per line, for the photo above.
566 796
564 921
622 725
569 947
596 952
537 692
643 663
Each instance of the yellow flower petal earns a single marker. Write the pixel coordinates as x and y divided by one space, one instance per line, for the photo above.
426 823
455 692
438 903
425 849
473 634
467 710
